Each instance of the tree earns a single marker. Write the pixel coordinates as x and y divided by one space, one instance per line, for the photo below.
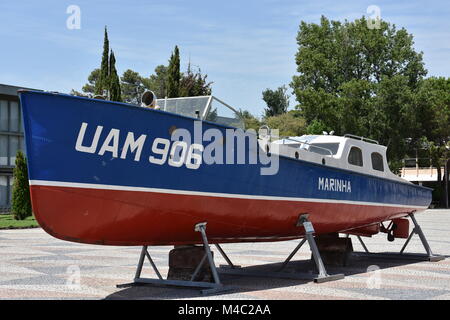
93 78
277 101
21 201
194 84
173 75
102 83
288 124
114 81
250 121
432 110
157 82
132 87
431 126
352 79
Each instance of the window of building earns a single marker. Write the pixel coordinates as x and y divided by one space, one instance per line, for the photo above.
4 198
13 148
355 157
3 150
22 145
10 188
377 161
14 116
11 140
4 115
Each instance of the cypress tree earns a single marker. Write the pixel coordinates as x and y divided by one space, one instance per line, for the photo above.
173 77
114 82
21 201
102 83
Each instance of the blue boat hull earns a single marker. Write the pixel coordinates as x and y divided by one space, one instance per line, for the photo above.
110 193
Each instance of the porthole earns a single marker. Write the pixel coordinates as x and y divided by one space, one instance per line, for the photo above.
297 155
323 161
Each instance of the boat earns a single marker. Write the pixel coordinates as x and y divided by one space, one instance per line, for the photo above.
111 173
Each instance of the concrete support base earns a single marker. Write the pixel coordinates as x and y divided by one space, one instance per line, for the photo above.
334 251
183 261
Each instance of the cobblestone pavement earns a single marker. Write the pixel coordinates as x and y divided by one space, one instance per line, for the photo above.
34 265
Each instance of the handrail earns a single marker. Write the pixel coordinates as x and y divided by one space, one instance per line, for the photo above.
348 135
309 144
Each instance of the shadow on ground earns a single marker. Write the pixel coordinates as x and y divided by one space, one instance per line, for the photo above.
246 284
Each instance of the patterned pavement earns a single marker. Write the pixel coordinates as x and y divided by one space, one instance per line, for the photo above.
33 265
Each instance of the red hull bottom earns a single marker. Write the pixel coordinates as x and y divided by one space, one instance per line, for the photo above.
111 217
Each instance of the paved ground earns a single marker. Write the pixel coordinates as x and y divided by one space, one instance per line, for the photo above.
35 265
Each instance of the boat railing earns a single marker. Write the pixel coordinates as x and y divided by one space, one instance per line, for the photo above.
309 144
347 135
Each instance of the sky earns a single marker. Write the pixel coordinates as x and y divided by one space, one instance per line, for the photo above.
243 46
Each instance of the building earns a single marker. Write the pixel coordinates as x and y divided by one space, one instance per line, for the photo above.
415 171
11 140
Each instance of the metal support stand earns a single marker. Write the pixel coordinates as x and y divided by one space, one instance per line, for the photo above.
224 255
210 287
429 256
323 276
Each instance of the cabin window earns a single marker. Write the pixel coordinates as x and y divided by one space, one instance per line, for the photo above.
355 157
322 148
377 161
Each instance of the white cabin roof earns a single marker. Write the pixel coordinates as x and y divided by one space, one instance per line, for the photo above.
352 153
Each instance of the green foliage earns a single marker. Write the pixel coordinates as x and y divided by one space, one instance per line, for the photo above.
166 81
93 78
157 82
103 80
352 79
114 82
7 221
174 75
432 110
277 101
250 121
288 124
194 84
132 85
316 127
21 201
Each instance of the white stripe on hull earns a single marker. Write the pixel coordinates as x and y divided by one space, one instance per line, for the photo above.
210 194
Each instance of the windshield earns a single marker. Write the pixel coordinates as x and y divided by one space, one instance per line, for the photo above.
196 107
221 113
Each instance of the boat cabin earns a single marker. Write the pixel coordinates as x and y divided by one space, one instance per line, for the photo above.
349 152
